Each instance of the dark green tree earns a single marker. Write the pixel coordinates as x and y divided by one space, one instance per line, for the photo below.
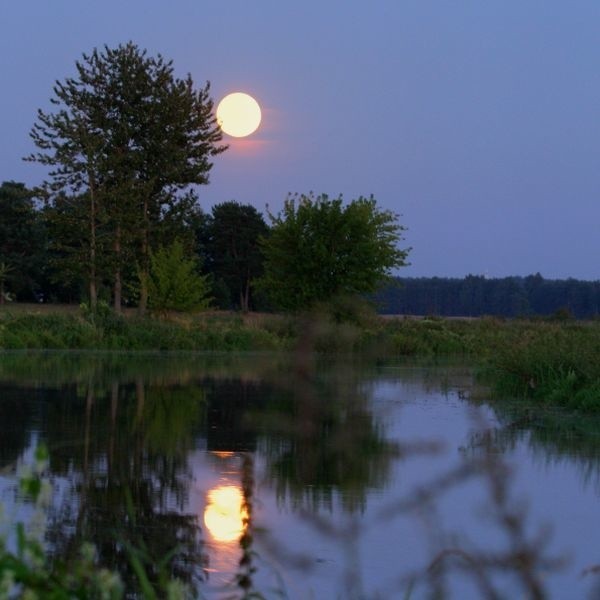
67 259
127 138
233 249
5 272
319 248
22 242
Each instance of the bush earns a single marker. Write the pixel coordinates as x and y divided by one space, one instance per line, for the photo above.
174 282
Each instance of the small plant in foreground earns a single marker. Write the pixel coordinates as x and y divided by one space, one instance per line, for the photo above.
28 571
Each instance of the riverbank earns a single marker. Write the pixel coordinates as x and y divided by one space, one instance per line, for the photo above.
552 362
70 328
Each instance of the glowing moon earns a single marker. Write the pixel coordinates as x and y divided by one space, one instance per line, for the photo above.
238 114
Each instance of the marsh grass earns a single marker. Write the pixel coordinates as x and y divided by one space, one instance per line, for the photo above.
556 362
114 332
550 363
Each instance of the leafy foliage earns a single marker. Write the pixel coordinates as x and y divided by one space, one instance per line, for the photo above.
32 572
174 282
126 139
319 249
5 271
234 255
29 572
22 242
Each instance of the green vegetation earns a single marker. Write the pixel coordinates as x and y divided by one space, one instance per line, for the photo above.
174 282
553 364
234 258
319 249
106 330
31 571
22 241
5 271
550 362
28 571
126 141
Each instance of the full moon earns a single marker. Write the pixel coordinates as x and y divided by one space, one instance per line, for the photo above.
238 114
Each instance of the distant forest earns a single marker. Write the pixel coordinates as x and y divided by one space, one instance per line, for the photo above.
477 296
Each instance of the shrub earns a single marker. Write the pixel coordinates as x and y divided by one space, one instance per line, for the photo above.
174 282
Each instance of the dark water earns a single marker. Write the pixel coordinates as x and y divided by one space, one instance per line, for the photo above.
341 479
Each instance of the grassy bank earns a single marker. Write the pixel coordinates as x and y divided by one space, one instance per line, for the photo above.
557 363
549 362
73 330
361 331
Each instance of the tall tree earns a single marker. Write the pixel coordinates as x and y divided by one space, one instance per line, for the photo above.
128 137
318 249
234 254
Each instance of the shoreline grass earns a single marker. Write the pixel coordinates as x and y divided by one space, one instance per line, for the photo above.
550 362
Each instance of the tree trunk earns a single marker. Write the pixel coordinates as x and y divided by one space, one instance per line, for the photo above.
143 304
145 268
118 292
89 401
93 295
114 404
93 289
141 398
118 286
245 296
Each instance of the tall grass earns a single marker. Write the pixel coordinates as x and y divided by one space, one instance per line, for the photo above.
553 364
114 332
556 363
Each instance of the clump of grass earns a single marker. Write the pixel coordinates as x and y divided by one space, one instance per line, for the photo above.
553 364
109 331
52 331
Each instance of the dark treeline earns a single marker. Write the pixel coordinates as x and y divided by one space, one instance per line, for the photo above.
40 261
477 295
127 146
41 258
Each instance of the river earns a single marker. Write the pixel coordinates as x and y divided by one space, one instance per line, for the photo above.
302 477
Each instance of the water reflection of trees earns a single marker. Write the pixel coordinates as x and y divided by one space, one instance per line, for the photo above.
119 448
57 368
16 416
129 477
321 442
552 436
318 436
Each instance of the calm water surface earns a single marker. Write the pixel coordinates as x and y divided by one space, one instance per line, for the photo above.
303 478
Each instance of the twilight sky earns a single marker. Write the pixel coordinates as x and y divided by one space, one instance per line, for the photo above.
478 121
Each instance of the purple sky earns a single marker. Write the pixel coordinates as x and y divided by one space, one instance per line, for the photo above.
478 121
